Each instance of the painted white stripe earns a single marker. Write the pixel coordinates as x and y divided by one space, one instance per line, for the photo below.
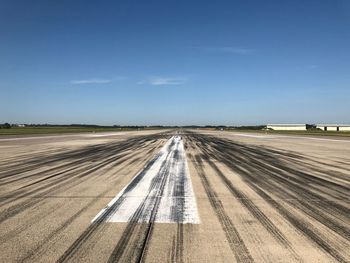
250 135
36 137
63 136
161 193
290 137
104 134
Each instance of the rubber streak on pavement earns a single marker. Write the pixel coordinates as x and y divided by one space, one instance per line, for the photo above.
162 192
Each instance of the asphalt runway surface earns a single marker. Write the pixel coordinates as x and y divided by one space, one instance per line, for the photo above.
174 196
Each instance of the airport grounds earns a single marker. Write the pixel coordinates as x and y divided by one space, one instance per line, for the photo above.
235 196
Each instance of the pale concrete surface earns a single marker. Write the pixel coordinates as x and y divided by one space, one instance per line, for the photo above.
259 199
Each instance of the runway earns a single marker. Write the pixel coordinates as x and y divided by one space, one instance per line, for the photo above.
174 196
162 192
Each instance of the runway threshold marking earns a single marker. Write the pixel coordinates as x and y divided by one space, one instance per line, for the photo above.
162 192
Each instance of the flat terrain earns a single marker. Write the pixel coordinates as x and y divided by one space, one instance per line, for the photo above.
174 196
58 129
313 132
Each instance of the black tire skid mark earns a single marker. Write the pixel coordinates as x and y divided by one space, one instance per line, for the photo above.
176 252
40 217
303 195
255 211
79 156
177 211
5 237
179 191
84 157
234 239
255 184
179 243
261 157
74 163
144 159
62 184
112 161
145 231
314 162
300 192
305 228
36 252
97 225
21 162
303 192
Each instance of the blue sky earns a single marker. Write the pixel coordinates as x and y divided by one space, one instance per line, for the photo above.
175 62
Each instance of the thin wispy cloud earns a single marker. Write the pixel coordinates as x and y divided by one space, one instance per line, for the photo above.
161 81
229 50
90 81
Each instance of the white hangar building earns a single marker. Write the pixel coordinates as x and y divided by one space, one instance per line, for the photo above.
287 127
334 127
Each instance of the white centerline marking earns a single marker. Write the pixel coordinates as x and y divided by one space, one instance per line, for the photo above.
162 192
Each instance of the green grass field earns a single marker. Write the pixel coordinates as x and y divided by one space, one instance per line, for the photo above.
73 129
308 132
57 129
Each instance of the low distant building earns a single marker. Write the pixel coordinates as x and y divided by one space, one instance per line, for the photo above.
287 127
333 127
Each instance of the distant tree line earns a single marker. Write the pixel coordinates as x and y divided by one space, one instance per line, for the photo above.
78 125
5 126
256 127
